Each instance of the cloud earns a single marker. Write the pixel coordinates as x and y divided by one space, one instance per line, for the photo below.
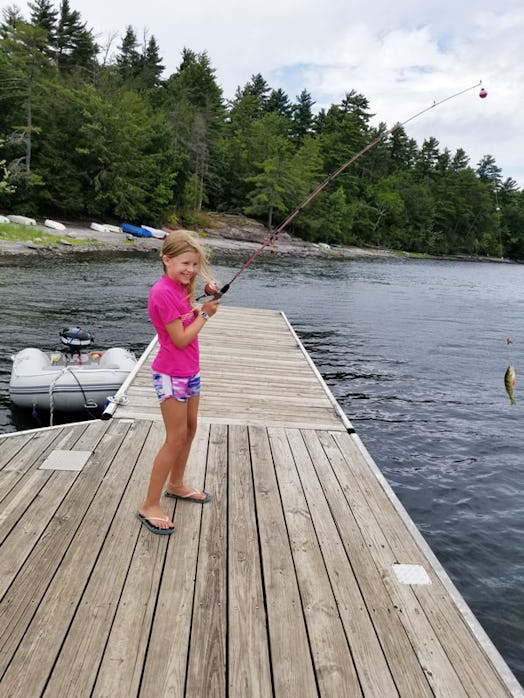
401 57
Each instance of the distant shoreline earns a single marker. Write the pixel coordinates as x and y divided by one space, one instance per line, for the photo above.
233 234
247 235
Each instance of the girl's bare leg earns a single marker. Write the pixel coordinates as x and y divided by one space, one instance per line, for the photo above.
176 475
175 416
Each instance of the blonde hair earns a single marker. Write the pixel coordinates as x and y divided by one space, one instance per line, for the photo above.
180 241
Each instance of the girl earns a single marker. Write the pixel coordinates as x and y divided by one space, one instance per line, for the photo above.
176 376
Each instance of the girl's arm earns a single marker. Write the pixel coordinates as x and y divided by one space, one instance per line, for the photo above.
182 336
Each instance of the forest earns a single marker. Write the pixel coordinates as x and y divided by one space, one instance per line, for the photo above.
92 132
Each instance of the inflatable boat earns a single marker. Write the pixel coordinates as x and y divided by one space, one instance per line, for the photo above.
70 379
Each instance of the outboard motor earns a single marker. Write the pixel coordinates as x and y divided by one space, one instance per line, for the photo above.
75 339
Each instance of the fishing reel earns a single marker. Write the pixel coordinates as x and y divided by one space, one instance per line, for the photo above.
211 292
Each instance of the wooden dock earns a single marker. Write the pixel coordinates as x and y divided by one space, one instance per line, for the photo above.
304 576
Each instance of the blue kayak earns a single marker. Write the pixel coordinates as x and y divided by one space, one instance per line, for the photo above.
136 230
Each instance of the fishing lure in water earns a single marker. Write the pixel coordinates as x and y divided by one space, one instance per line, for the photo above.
509 382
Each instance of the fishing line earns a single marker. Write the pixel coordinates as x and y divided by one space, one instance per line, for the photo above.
325 183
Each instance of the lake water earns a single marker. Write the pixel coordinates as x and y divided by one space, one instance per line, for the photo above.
415 352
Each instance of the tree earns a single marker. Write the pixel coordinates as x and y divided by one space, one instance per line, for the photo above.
140 67
273 181
11 17
388 208
115 156
75 44
128 60
152 67
258 87
302 116
488 171
402 150
252 99
427 157
43 15
420 234
24 46
278 102
194 101
343 131
336 217
5 186
460 161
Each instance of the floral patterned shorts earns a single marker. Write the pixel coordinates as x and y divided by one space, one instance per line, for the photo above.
179 388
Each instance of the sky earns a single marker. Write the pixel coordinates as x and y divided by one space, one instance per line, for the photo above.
403 57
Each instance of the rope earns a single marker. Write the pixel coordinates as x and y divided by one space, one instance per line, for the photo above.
88 405
51 396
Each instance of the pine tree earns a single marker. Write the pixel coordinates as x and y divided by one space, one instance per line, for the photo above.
25 47
278 102
152 64
75 44
43 15
302 116
194 99
128 60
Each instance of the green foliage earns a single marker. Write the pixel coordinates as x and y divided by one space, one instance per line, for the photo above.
139 67
35 236
116 139
5 187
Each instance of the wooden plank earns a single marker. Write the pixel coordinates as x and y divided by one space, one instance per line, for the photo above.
373 670
290 652
408 674
327 420
165 667
304 385
11 446
120 671
249 669
228 405
30 526
32 505
255 387
224 386
26 459
332 660
243 362
29 669
89 630
28 588
240 342
267 421
271 404
207 654
432 656
465 652
28 480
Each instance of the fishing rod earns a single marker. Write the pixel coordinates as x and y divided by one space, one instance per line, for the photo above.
324 184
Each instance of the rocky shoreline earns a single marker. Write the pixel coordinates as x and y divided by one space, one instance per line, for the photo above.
228 234
232 234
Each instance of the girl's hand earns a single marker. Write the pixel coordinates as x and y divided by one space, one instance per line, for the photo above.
210 307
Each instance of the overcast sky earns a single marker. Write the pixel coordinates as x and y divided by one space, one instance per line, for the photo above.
401 56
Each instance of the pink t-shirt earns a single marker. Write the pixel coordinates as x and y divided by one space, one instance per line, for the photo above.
167 302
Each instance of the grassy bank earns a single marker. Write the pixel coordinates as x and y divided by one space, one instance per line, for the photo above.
29 234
